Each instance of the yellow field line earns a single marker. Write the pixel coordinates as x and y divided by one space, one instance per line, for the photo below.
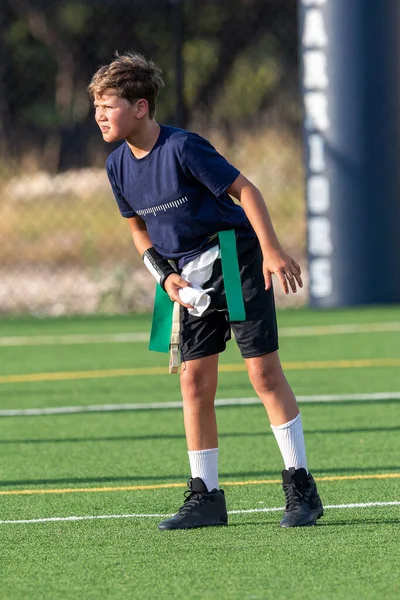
68 375
159 486
288 366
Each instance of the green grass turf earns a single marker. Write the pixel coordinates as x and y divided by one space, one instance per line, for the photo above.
121 323
81 357
352 553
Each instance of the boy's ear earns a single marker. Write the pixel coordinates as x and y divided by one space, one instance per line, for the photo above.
141 108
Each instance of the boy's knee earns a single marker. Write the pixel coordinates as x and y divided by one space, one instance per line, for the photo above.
195 381
265 382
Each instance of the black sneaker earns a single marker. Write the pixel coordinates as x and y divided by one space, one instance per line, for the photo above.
314 499
303 504
200 509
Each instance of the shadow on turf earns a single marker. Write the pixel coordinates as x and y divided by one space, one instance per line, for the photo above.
181 436
361 522
347 523
181 478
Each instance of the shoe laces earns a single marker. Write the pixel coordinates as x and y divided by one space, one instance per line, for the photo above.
293 495
192 500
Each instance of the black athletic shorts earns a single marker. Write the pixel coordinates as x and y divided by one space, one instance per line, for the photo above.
257 335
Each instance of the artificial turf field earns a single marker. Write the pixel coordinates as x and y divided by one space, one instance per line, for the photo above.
121 470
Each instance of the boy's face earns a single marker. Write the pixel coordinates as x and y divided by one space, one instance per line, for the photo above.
115 116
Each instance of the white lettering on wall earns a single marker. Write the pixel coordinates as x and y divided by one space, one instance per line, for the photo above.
316 107
316 150
314 2
319 236
315 75
318 194
320 277
314 33
317 123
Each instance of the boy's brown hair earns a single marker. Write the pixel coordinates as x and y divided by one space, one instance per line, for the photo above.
132 76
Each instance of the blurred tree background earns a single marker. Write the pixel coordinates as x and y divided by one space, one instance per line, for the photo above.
231 73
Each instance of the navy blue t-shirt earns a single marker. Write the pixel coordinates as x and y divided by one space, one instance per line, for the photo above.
179 190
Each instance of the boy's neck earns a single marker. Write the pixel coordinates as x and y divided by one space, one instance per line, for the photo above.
143 141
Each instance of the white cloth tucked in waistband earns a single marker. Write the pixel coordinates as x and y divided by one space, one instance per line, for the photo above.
197 297
197 272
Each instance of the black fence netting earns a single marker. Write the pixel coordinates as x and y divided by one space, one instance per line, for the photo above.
231 74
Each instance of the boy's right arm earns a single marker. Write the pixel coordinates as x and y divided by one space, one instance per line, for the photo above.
139 233
142 242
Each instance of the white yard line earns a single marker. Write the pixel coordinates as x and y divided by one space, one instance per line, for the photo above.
98 408
61 340
160 516
124 338
339 329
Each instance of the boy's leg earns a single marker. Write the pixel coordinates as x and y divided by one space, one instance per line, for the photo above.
257 339
269 382
303 505
202 339
271 386
199 385
199 379
205 503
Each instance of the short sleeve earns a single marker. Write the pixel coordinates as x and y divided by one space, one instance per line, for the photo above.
202 160
125 208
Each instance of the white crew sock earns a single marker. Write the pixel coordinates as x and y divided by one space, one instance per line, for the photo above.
204 464
290 440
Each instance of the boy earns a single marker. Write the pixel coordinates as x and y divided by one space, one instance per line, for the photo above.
174 189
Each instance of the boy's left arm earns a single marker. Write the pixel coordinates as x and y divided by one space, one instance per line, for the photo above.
275 259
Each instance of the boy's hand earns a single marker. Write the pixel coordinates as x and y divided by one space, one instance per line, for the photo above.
285 268
172 285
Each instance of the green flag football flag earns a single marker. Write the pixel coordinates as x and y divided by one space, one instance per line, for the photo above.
163 306
162 321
